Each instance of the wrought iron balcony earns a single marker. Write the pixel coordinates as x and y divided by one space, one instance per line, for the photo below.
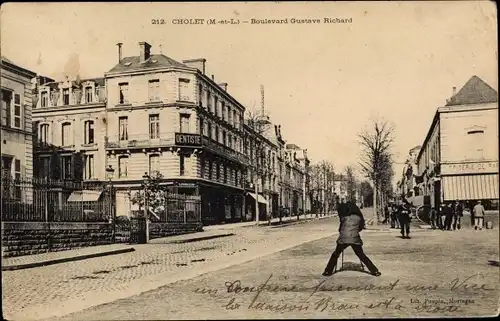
139 141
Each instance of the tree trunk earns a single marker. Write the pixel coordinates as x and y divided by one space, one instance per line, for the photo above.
375 212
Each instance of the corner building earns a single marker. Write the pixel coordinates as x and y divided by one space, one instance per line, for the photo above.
170 117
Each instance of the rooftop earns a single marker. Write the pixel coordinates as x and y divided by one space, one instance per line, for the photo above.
153 62
475 91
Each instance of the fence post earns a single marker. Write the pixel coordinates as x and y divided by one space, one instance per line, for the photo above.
47 218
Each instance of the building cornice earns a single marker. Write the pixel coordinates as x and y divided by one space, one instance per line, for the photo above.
116 74
41 110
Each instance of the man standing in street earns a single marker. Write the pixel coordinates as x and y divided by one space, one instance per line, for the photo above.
404 218
448 211
458 212
433 218
394 216
478 215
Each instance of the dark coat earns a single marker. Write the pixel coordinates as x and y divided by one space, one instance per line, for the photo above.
350 226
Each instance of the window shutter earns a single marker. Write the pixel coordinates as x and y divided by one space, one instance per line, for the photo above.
78 163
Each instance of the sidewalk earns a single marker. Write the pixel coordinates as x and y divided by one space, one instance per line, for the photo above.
288 219
37 260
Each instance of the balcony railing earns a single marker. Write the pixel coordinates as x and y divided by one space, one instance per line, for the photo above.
219 148
141 140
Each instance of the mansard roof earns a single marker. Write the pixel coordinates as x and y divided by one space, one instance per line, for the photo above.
153 62
475 91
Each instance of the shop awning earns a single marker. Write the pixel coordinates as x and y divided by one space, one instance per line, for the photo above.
470 187
259 198
84 196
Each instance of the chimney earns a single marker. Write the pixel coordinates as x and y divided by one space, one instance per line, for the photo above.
119 51
454 91
213 78
223 85
196 63
144 51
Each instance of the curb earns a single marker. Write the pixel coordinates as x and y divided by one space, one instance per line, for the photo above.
64 260
196 239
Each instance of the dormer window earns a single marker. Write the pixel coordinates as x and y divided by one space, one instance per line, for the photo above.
66 96
88 94
44 99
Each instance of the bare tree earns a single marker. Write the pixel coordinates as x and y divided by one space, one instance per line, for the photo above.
376 158
350 183
322 183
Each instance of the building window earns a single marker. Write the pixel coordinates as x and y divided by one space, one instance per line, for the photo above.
184 90
184 123
223 111
200 95
88 94
209 130
17 177
209 101
45 167
89 166
230 141
216 106
154 164
123 88
202 167
123 128
154 126
217 134
225 174
217 172
6 166
229 116
224 138
236 177
181 164
6 100
202 126
17 111
66 134
66 96
210 169
154 90
235 120
122 166
66 167
89 132
44 133
44 99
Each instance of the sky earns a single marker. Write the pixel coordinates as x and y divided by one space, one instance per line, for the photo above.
323 83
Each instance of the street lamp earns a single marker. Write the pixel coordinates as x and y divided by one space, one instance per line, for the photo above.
146 178
112 214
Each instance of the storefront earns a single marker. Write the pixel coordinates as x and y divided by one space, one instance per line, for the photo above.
470 182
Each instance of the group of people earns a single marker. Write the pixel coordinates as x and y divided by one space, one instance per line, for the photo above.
449 216
399 215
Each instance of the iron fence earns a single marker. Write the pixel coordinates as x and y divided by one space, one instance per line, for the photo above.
46 200
178 208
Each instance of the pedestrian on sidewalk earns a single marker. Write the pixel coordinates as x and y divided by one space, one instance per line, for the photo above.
442 217
394 217
458 212
351 224
478 216
433 218
404 214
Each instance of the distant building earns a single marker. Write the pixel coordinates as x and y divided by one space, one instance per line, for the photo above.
17 132
459 157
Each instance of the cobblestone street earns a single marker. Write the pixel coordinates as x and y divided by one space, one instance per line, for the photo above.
72 286
436 273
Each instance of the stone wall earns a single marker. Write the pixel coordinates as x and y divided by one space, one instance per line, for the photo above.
24 238
157 229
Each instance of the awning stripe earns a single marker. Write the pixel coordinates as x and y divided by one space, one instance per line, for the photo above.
470 187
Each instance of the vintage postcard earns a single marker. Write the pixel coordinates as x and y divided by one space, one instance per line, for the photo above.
261 160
